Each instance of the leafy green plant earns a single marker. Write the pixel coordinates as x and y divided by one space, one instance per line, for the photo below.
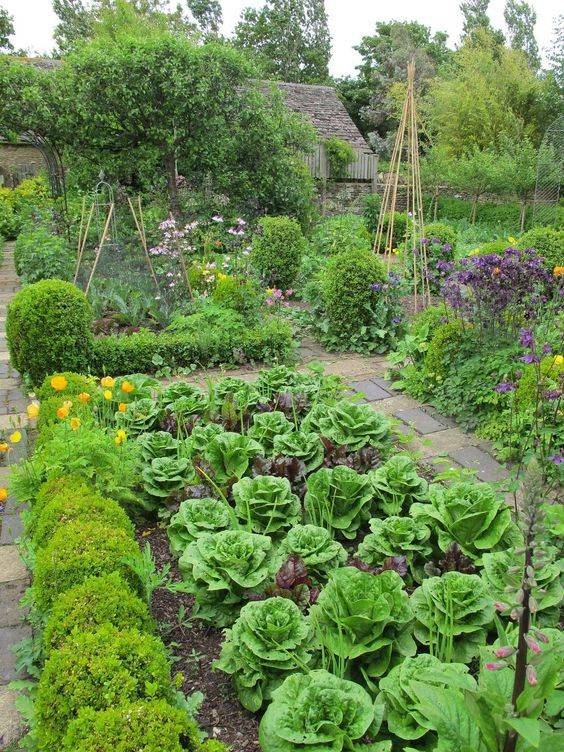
316 548
318 710
40 254
363 623
402 716
338 499
277 251
266 504
195 518
395 536
220 568
340 234
473 515
240 393
158 444
452 615
269 640
397 485
229 456
190 404
547 242
340 154
266 426
140 416
177 389
306 446
200 437
371 211
165 475
351 425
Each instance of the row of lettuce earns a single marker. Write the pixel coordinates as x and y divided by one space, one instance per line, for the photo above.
356 595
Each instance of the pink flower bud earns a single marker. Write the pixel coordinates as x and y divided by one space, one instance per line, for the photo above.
531 676
533 645
504 652
541 637
495 666
499 606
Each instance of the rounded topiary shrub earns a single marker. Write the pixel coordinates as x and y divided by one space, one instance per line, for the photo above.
73 484
445 235
277 251
49 407
547 242
99 670
48 329
77 551
65 508
153 726
97 601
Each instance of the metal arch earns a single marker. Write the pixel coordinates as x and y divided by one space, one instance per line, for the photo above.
53 160
550 166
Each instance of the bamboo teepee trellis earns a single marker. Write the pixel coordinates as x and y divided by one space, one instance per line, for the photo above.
407 142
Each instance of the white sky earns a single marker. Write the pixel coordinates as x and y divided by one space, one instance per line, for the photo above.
349 20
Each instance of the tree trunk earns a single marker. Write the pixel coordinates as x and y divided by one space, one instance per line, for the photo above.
436 200
523 215
474 209
170 164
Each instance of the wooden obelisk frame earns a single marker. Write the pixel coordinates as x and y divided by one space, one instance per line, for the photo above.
406 150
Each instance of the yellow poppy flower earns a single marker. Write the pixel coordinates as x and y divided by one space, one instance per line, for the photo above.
4 447
62 413
75 423
108 394
120 437
558 271
512 240
67 404
3 494
122 407
127 387
59 383
559 359
33 410
84 397
16 437
107 382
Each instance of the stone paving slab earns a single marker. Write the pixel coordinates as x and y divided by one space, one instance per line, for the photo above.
11 594
11 527
11 726
10 636
371 390
421 421
11 566
487 468
15 420
442 442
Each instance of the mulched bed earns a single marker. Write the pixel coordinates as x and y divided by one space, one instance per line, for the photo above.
195 645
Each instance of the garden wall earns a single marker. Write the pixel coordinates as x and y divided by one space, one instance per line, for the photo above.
343 197
19 161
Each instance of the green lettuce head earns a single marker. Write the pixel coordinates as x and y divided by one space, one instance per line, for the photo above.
315 547
354 425
229 456
237 391
470 514
397 485
338 499
319 711
307 447
165 475
397 536
194 518
201 437
139 416
157 444
268 641
266 426
266 504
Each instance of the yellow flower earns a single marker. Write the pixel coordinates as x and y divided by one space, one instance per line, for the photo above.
59 383
3 494
120 437
84 397
559 359
4 447
33 410
62 413
67 404
222 277
107 394
127 387
107 382
16 437
558 271
512 240
75 423
122 407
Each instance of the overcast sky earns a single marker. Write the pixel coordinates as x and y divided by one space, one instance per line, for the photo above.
349 20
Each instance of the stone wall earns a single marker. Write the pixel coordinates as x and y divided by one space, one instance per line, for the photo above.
342 197
19 161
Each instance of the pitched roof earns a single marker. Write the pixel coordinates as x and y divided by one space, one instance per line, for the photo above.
322 106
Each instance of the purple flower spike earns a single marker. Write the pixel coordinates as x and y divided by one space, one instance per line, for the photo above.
504 387
558 459
552 394
526 338
530 358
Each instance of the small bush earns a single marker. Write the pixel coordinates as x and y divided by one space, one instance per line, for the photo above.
551 373
72 483
97 601
441 232
48 412
277 251
76 383
65 508
372 205
48 329
98 670
77 551
341 234
400 225
547 242
441 354
153 726
39 254
9 223
493 246
340 154
242 296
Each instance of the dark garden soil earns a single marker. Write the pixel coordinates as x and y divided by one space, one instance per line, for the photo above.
194 645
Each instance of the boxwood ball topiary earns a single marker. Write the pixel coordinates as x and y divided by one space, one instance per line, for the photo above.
277 250
79 550
48 328
98 600
99 670
547 242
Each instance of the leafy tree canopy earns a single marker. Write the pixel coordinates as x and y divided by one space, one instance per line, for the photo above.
289 39
476 19
521 18
6 30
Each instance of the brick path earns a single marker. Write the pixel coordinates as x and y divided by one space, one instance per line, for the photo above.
14 577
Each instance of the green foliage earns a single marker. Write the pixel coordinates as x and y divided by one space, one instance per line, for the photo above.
452 615
402 717
129 666
267 426
164 476
350 424
157 444
397 485
338 499
229 456
40 254
48 329
218 569
340 154
397 536
86 607
65 508
139 416
277 251
315 710
472 515
363 622
547 242
195 518
371 213
77 551
241 295
316 548
340 234
269 640
76 383
266 504
9 224
306 446
443 349
147 726
48 413
441 232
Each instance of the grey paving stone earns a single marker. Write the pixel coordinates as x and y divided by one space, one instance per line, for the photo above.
12 567
11 723
421 421
10 636
371 391
10 595
11 527
487 469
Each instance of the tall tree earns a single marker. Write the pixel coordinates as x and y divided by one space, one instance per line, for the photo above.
207 14
521 18
556 51
476 19
6 30
289 39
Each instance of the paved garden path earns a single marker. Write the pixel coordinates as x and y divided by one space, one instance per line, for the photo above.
14 577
